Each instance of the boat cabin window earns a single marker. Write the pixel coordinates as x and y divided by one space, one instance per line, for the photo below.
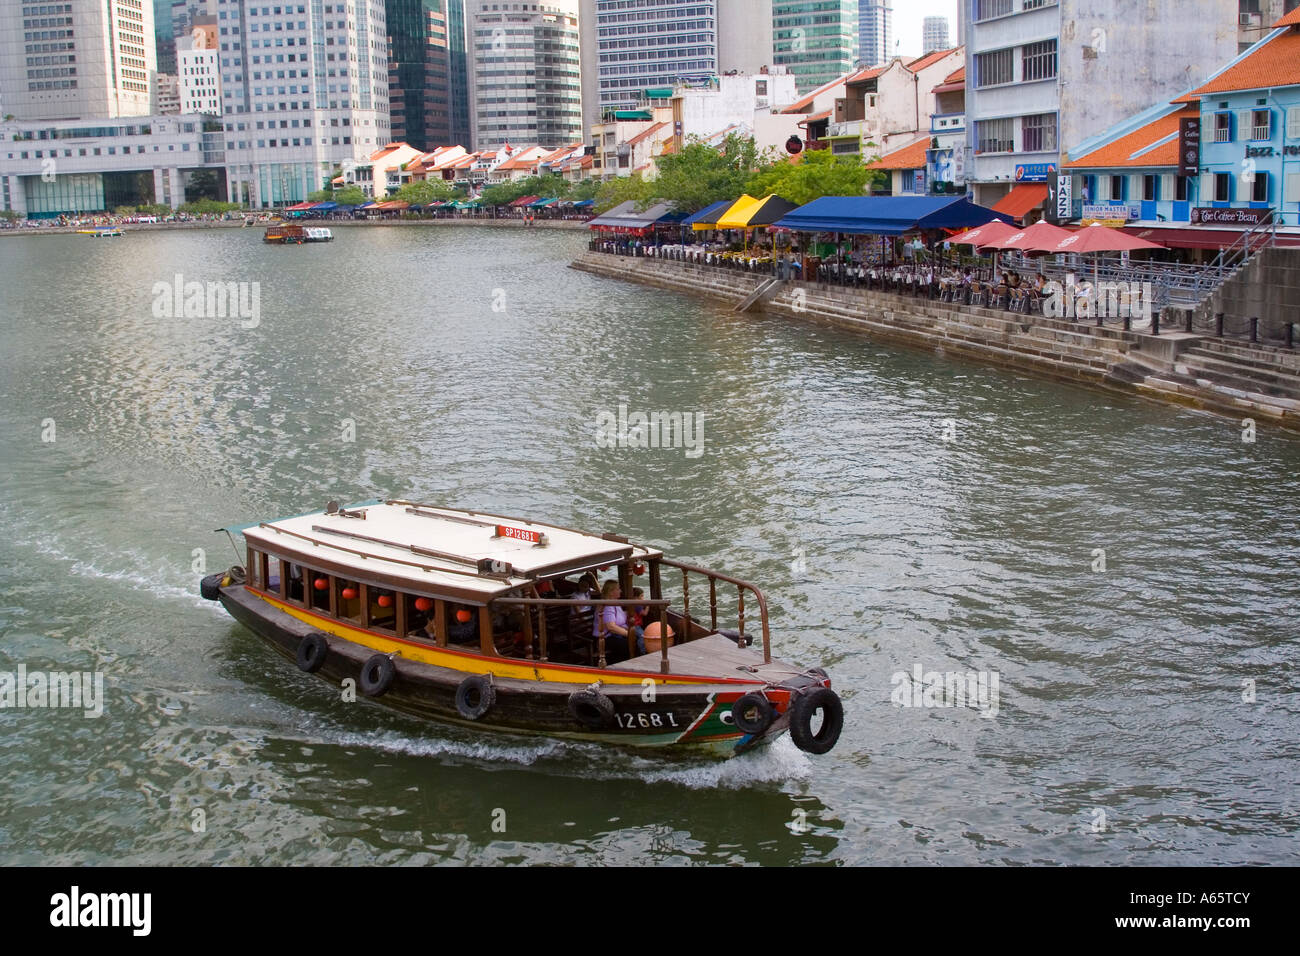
462 626
421 618
291 582
382 610
347 598
319 592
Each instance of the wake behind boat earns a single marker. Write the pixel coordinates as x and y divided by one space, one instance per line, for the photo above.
496 622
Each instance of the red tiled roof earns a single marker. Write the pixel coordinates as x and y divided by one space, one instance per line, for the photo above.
866 74
814 118
909 157
1292 19
954 81
1273 63
646 134
799 105
921 62
1124 151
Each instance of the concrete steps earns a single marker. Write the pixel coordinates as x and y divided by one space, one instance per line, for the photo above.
1252 376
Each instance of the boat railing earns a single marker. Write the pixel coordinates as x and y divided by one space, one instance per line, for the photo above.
575 603
741 587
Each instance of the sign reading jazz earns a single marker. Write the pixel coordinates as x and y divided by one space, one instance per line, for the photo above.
1230 217
1034 172
1189 146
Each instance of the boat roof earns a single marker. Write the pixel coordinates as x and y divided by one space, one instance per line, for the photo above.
441 551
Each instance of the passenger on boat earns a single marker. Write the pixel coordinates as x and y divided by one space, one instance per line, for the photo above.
639 614
612 622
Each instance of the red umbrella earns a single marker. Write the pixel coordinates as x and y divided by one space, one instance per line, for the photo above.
1099 238
983 235
1040 237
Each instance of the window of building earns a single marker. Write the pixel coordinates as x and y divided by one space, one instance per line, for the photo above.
1259 188
1223 127
1039 61
1261 124
1118 188
988 9
1038 133
1182 188
992 69
995 136
1150 188
1223 187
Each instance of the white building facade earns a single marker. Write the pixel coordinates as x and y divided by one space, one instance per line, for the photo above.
76 58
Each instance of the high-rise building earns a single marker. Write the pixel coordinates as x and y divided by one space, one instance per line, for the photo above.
304 90
934 34
462 128
76 58
419 72
524 61
629 46
198 72
1042 79
875 32
817 40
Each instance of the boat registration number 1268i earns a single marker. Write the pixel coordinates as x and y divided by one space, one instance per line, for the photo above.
652 719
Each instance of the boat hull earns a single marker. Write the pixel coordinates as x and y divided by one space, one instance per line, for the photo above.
690 717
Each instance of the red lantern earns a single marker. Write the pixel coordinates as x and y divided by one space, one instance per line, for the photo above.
464 616
545 587
321 584
349 593
638 569
384 600
423 604
604 567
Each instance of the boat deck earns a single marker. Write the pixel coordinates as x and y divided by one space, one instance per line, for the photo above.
715 656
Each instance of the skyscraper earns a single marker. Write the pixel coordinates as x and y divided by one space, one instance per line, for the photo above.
524 72
934 34
76 58
817 40
419 72
875 31
629 46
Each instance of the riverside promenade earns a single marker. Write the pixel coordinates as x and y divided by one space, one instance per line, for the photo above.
1218 376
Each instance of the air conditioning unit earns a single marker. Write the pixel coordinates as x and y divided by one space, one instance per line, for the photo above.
1251 19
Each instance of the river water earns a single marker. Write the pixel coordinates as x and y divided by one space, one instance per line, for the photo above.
1129 572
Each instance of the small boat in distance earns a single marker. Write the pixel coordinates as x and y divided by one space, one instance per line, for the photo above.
293 234
501 623
101 232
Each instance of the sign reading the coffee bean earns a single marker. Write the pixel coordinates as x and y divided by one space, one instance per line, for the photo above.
1207 216
1189 146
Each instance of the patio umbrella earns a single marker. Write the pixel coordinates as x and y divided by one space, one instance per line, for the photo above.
1097 239
983 235
1041 237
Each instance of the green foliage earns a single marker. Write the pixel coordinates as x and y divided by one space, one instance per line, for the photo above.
424 191
817 174
154 209
10 215
549 185
700 175
347 196
208 207
589 188
620 189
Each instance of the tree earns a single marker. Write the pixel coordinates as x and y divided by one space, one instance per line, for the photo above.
816 174
346 196
701 175
421 192
549 185
208 207
589 188
620 189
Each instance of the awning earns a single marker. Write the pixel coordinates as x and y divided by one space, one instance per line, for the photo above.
584 203
1022 200
325 206
709 214
1194 238
298 207
770 209
991 232
886 215
524 200
542 202
737 215
625 217
1040 237
393 205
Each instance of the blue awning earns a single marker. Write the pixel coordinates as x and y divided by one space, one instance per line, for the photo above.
887 215
583 203
324 206
708 213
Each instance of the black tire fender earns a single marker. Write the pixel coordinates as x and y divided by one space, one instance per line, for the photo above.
475 696
591 708
801 717
210 587
377 675
753 713
312 651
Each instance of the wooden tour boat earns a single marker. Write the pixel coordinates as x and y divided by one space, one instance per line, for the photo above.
101 232
294 234
489 621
